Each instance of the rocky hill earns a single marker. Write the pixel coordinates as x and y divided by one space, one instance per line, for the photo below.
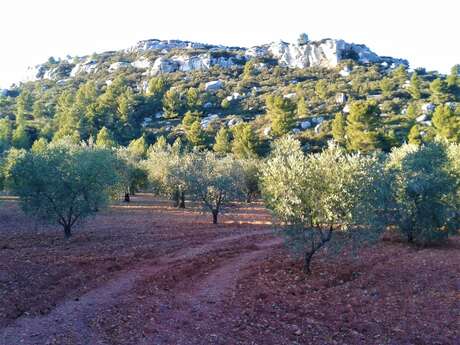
166 56
161 87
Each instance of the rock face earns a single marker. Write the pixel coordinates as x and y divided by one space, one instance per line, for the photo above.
141 63
89 66
167 56
167 45
325 53
188 63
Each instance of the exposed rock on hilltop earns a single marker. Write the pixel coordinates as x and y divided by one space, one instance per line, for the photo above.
166 56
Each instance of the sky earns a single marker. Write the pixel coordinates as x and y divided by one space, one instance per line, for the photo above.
423 31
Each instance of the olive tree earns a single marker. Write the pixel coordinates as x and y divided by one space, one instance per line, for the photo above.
213 181
132 174
454 169
250 169
325 200
423 191
63 184
166 170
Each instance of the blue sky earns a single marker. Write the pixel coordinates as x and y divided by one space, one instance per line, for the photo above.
424 31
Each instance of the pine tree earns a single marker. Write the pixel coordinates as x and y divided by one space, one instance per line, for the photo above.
124 126
249 69
302 110
190 118
438 89
400 74
339 128
39 145
68 117
453 80
446 122
38 109
415 137
361 126
321 89
244 141
194 101
280 111
172 103
86 104
138 147
20 138
412 110
104 139
5 135
195 134
222 144
157 87
387 85
22 107
414 87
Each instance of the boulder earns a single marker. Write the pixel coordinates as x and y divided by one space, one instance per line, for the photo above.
345 72
317 120
89 66
267 131
340 98
117 65
421 118
192 63
163 65
428 108
305 124
290 95
213 85
318 128
142 63
233 122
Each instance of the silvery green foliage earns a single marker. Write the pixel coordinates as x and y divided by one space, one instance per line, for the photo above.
132 174
213 181
250 168
64 183
424 187
454 160
166 168
329 199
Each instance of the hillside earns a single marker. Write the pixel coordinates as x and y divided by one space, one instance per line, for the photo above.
146 90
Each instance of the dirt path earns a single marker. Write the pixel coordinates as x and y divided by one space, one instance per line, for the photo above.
193 317
69 322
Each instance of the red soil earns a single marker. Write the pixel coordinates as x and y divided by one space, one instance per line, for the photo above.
147 273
